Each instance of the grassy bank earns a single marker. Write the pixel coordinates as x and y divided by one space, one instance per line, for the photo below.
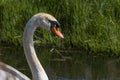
92 25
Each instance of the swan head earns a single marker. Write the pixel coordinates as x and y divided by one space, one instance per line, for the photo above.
49 22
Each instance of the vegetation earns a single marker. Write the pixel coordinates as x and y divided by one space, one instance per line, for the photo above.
87 24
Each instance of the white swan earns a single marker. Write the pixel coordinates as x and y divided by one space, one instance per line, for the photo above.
43 20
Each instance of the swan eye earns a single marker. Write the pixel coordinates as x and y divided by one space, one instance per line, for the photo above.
54 23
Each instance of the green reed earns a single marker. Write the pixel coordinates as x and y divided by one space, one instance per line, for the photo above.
88 24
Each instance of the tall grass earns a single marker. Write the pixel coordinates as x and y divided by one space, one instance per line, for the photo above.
88 24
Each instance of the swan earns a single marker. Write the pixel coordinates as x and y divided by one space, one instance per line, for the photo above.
43 20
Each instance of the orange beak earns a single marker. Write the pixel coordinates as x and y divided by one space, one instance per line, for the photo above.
57 32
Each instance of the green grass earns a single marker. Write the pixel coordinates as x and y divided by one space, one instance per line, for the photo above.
92 25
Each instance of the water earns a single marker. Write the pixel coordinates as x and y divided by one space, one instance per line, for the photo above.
66 64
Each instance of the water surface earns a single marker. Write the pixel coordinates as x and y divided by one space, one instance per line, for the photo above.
66 64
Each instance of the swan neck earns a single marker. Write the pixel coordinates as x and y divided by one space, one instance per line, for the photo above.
28 44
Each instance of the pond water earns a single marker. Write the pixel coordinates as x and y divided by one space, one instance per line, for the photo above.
66 64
